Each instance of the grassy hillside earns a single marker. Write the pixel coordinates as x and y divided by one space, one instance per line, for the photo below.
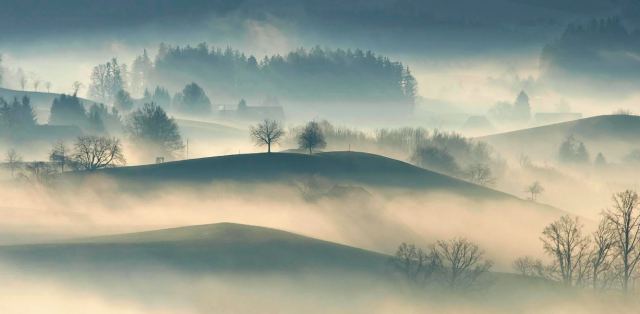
215 247
350 168
193 129
613 135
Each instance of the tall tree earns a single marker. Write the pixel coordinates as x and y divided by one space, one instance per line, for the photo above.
311 137
564 241
624 221
123 101
141 73
17 116
601 255
107 80
266 133
193 100
150 126
463 262
68 110
13 161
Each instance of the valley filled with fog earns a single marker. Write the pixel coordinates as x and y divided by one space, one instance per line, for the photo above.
388 156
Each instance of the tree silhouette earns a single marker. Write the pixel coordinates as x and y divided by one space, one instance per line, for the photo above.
311 137
13 160
266 133
150 126
97 152
535 189
624 221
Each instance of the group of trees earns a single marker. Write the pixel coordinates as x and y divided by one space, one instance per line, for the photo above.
16 116
586 48
70 110
605 259
315 75
455 155
107 80
518 112
455 264
270 132
573 151
87 153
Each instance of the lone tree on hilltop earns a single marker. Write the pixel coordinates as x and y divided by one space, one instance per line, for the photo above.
266 133
311 137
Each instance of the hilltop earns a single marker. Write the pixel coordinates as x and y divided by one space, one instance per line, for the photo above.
610 134
350 168
213 247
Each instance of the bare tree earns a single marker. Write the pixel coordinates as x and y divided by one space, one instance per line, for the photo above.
530 267
624 222
59 155
601 255
36 84
415 264
13 160
76 86
463 262
266 133
96 152
564 242
47 85
535 189
311 137
480 174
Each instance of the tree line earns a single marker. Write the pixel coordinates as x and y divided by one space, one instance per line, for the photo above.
605 259
316 74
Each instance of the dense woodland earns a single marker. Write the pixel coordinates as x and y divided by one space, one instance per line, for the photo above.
603 46
315 75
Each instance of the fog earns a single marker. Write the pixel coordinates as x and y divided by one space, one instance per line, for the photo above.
426 123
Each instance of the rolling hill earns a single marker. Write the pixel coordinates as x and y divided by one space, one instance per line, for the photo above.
613 135
350 168
215 247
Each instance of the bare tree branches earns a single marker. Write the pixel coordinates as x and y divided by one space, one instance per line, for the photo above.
601 255
534 189
457 263
624 222
13 160
564 241
480 174
462 261
415 264
266 133
96 152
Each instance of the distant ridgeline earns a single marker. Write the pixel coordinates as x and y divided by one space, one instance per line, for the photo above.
603 46
315 76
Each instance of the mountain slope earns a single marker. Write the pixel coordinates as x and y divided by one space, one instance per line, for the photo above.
214 247
611 134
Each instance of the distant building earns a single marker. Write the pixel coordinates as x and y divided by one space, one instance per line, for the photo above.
556 117
253 113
